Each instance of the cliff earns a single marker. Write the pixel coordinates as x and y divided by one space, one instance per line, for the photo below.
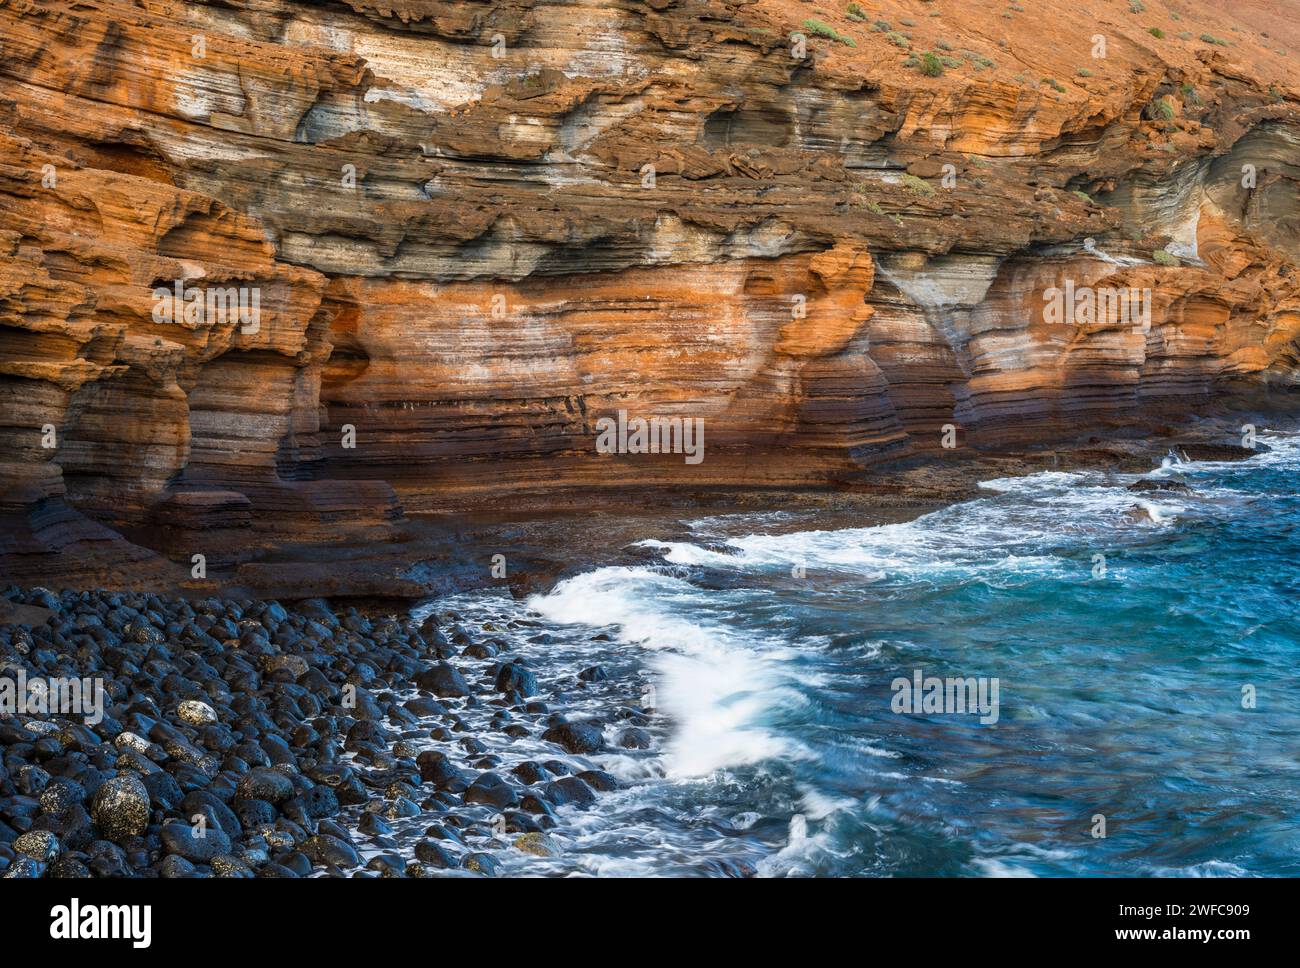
830 232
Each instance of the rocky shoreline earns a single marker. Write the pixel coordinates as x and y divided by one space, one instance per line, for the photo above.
244 737
254 739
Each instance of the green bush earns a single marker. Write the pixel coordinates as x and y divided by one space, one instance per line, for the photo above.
1165 110
819 29
1165 258
1156 32
931 66
1211 39
1084 72
854 12
917 186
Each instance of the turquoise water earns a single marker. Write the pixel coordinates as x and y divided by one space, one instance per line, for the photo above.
769 647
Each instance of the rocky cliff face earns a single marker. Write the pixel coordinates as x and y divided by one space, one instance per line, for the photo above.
465 232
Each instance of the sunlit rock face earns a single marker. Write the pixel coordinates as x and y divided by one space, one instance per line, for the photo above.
475 230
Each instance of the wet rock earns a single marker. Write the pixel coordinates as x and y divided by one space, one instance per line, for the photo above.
325 850
537 844
294 665
491 790
23 868
443 680
375 825
423 706
254 813
1147 485
634 739
264 783
224 865
198 844
120 807
481 863
31 780
437 769
205 803
196 713
514 678
401 807
440 832
569 789
432 853
578 738
40 845
164 792
599 780
72 825
530 772
535 804
176 866
60 794
274 869
388 865
70 868
593 674
107 859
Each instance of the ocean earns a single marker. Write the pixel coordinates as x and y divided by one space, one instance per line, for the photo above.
1142 648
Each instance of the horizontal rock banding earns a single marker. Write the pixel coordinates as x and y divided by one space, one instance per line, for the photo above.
475 230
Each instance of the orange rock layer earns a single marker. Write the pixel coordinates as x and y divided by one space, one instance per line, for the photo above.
475 229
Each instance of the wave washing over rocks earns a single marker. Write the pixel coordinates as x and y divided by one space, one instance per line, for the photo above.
706 710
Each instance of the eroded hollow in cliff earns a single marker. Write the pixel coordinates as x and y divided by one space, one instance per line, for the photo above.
767 125
127 159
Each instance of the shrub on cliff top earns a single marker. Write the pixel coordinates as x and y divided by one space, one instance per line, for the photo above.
819 29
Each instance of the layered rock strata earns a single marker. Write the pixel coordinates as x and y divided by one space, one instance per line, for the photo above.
474 230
